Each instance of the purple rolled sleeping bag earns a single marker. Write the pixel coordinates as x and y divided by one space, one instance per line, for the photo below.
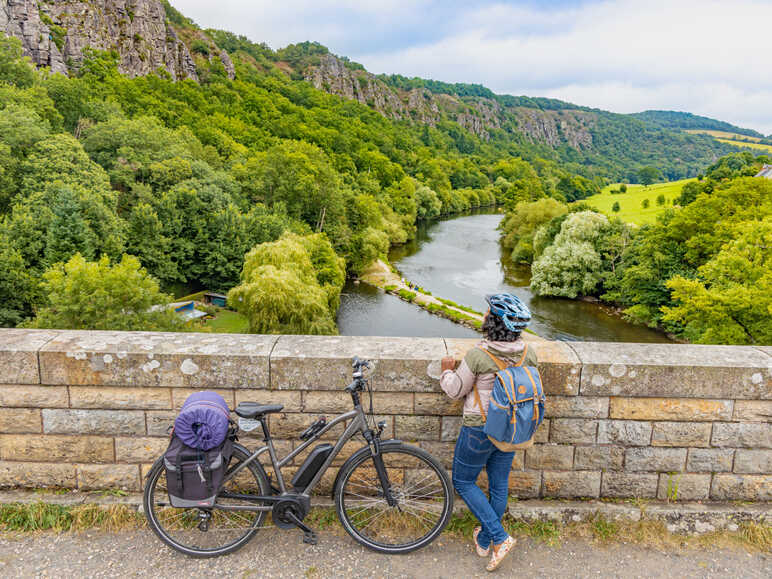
203 420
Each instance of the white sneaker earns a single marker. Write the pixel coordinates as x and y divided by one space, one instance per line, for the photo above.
500 554
480 551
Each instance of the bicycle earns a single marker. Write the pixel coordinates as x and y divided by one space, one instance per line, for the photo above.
389 496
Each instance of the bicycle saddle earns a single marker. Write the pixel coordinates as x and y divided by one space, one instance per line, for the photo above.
253 409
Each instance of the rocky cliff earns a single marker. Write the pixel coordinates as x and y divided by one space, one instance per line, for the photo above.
478 115
55 33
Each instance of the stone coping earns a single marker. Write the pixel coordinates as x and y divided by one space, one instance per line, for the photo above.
191 360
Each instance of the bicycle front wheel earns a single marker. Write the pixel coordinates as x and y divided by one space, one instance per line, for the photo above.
207 532
423 493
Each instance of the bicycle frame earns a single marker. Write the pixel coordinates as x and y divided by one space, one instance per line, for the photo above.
358 424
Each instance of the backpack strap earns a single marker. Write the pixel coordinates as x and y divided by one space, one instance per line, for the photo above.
479 403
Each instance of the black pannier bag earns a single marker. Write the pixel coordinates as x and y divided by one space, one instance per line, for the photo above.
199 451
194 476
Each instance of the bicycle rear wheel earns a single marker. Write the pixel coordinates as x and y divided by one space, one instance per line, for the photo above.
419 484
225 531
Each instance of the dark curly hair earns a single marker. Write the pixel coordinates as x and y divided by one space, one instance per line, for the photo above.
496 331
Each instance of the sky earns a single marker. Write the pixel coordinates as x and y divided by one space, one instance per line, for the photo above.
706 57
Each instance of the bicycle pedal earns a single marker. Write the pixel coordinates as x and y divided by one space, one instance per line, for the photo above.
310 538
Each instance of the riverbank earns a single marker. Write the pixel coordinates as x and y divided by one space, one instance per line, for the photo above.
379 274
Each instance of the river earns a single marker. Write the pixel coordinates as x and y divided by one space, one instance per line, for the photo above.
460 259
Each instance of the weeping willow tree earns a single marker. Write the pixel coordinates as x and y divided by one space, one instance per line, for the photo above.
291 286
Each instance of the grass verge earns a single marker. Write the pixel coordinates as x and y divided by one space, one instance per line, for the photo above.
751 536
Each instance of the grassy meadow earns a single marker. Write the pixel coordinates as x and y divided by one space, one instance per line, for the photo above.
724 135
756 146
630 204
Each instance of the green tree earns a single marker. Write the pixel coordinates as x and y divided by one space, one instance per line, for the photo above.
16 286
645 203
623 188
571 266
521 224
14 68
660 199
730 302
98 295
282 291
648 175
428 205
615 207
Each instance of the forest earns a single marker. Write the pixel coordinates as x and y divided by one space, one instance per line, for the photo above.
702 272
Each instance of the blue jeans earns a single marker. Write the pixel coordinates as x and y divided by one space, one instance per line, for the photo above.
474 451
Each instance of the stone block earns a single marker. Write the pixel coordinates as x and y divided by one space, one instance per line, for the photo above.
393 402
289 426
753 462
114 422
108 476
27 396
681 409
573 430
37 474
624 432
179 395
19 354
709 460
548 456
629 485
442 451
145 449
674 370
114 397
542 435
328 401
681 434
743 434
292 401
18 420
190 360
451 426
159 423
741 487
52 448
753 410
417 427
655 459
524 484
599 458
324 362
683 487
437 404
576 407
569 484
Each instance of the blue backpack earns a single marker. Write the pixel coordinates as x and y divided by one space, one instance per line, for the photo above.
516 407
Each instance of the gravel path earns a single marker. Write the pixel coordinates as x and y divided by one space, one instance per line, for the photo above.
275 553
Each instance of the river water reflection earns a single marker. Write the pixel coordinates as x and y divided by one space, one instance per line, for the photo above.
461 259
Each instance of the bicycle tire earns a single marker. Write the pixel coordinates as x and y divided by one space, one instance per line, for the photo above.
155 495
400 460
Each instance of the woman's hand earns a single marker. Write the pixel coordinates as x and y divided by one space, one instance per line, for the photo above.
448 363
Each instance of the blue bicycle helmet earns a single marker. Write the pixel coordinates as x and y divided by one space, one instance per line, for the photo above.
511 310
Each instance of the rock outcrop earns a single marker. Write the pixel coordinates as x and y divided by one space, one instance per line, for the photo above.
479 115
54 34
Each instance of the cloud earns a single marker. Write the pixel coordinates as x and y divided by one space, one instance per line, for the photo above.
708 57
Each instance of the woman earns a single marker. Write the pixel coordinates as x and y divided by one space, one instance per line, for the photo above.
507 316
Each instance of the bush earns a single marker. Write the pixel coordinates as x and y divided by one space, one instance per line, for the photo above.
645 204
615 207
660 199
623 188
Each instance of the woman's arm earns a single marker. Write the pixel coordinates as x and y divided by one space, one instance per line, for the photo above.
456 383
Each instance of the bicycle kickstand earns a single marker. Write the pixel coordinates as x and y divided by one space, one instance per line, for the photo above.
309 536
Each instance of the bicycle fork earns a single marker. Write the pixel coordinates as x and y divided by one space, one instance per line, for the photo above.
374 440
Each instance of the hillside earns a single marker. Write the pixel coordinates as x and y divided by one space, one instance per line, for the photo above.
690 122
150 35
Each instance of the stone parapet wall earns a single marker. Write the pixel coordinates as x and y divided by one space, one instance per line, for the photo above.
90 410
